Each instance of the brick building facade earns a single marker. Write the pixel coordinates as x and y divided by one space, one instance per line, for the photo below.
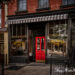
38 28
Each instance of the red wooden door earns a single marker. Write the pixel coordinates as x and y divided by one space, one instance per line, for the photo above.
40 49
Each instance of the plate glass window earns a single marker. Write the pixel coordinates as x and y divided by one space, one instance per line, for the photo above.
22 5
58 38
43 3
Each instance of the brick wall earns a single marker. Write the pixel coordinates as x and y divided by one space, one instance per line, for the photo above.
3 16
55 4
12 7
32 5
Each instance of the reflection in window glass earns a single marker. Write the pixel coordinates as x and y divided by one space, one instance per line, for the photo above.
19 40
38 44
58 37
18 47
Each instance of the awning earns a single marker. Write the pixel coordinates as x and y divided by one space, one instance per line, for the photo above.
38 19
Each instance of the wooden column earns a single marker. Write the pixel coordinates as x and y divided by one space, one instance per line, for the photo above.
69 36
27 39
46 35
9 41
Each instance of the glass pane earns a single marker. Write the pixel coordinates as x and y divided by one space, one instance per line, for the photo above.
64 2
38 44
22 5
71 1
40 3
19 41
43 3
42 44
58 37
18 47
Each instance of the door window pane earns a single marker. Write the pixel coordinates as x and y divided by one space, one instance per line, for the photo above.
38 44
42 44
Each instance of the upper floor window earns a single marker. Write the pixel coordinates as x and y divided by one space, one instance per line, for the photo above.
0 17
68 2
22 5
43 3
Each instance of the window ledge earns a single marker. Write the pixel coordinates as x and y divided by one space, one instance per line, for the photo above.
19 12
41 9
68 5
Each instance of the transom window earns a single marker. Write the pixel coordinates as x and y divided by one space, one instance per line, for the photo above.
68 2
43 3
22 5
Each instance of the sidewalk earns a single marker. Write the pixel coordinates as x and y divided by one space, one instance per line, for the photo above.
37 69
28 69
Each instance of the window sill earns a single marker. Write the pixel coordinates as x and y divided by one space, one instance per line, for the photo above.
41 9
19 12
68 5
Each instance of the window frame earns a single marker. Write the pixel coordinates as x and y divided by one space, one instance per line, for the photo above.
22 9
47 7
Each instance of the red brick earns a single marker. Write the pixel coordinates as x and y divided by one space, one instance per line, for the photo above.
3 16
32 5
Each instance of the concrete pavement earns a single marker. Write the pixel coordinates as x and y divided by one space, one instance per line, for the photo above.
29 69
36 69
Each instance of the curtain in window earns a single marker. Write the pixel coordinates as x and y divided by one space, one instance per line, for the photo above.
43 3
22 5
